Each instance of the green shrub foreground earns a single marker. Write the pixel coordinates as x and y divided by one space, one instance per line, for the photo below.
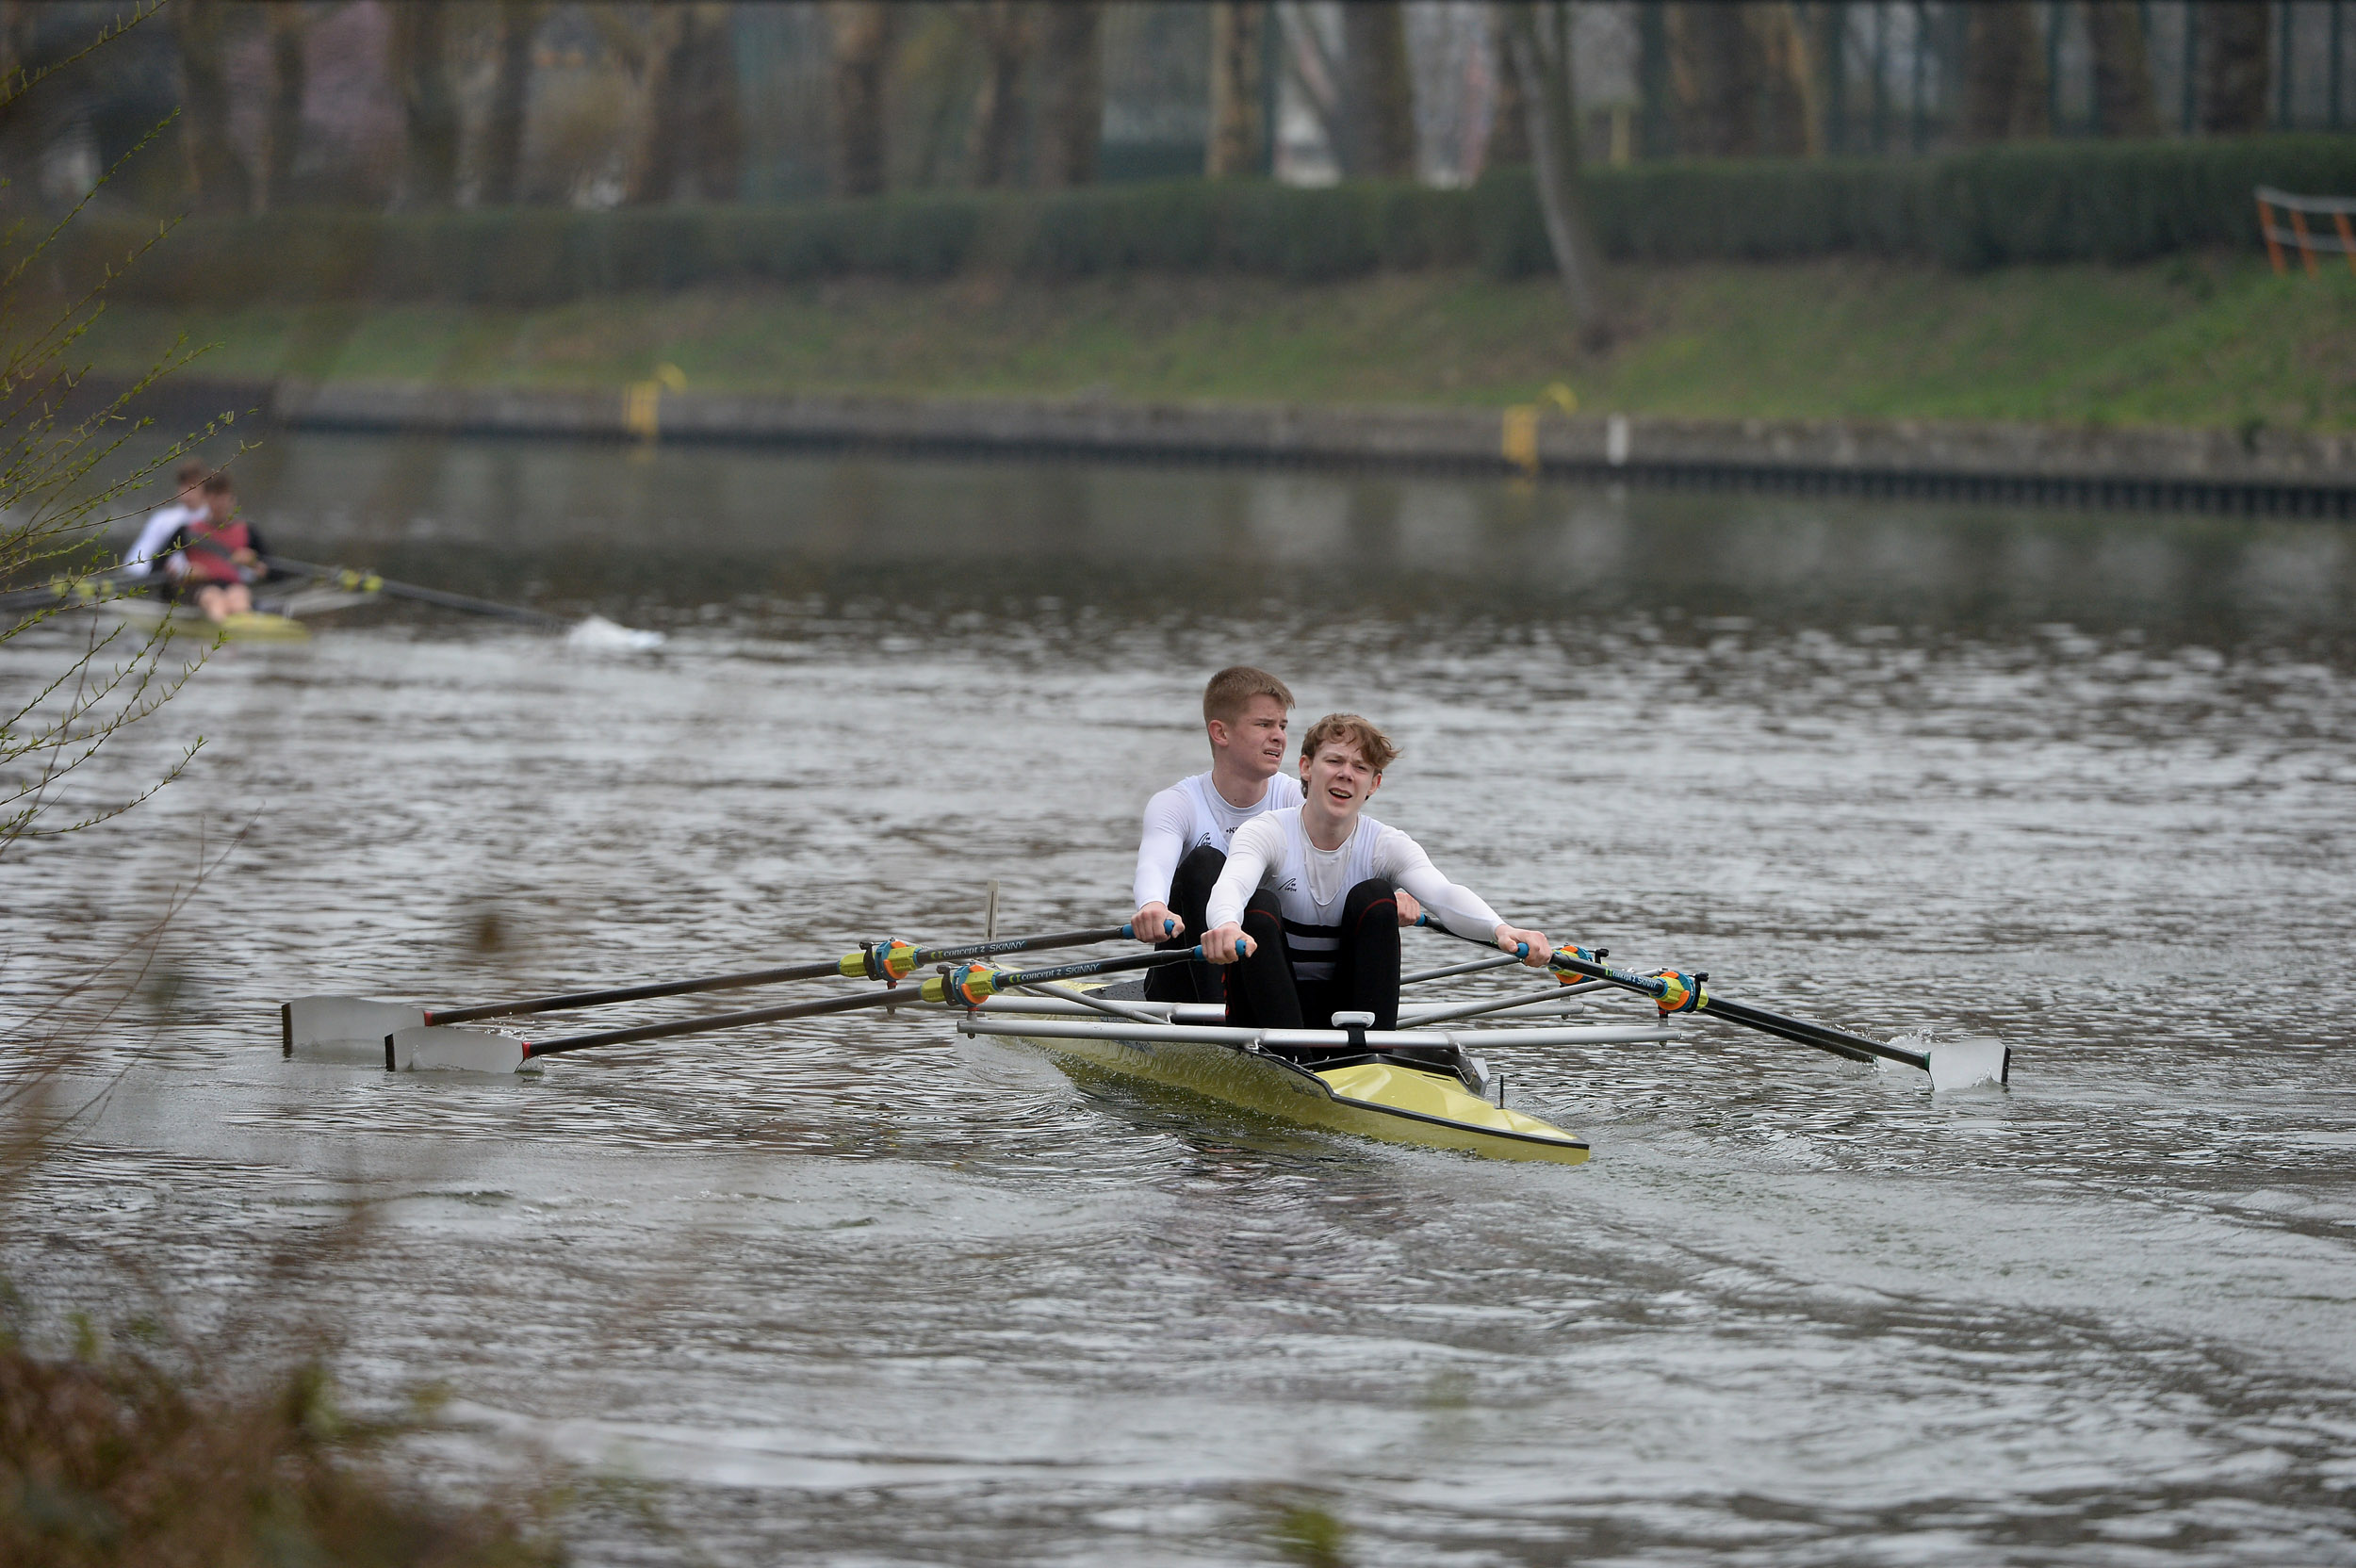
2084 201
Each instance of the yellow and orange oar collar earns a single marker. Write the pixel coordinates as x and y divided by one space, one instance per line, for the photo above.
890 960
972 984
1672 991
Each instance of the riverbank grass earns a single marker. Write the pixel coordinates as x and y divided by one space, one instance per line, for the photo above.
2198 342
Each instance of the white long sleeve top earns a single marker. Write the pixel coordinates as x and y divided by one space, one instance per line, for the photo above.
1273 851
1191 814
140 558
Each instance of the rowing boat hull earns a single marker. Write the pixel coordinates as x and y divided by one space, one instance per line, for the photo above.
257 626
1372 1100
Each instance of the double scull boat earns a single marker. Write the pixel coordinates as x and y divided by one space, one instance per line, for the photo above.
1406 1086
296 589
1420 1083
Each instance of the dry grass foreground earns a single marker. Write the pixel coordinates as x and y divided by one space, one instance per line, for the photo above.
2216 343
110 1459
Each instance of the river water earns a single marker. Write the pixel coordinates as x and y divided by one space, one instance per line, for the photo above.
864 1292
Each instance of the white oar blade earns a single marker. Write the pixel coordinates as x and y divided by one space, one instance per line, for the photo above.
341 1028
1967 1064
442 1048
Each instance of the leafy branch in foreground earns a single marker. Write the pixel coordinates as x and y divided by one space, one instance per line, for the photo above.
128 1447
62 483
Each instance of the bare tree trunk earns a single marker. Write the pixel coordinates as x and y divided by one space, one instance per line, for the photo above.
223 184
1541 49
511 99
694 140
861 35
1008 36
1378 93
2124 101
1508 117
1072 94
2004 73
1311 67
716 122
1793 114
287 24
2234 67
1656 81
16 154
661 152
1239 139
1832 53
422 73
1716 64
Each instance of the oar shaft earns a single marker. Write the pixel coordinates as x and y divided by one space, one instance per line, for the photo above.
911 995
1021 945
1102 966
633 993
441 596
819 971
722 1020
1856 1048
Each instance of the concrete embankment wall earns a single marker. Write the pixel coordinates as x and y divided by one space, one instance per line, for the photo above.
2255 471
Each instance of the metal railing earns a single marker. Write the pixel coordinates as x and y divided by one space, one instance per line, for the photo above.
2301 208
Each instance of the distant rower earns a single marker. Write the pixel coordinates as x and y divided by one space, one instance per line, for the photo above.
1313 887
187 506
218 554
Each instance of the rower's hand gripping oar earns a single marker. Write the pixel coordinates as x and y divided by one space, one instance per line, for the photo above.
340 1025
1956 1065
967 986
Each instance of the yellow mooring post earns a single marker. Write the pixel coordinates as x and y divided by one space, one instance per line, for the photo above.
1518 440
642 402
1518 444
641 408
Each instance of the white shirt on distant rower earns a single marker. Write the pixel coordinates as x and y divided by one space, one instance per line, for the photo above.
1189 814
1273 851
156 534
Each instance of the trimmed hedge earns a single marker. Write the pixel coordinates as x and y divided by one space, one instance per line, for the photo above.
1996 206
538 255
2121 200
2031 202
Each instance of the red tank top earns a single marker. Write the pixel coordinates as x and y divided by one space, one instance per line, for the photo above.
212 547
